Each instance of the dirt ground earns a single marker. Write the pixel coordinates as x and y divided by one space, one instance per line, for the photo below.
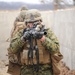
4 69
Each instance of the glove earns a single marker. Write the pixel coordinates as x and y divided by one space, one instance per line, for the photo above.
25 36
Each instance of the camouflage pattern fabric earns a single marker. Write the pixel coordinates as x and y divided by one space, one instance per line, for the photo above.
32 15
30 70
21 16
18 26
19 19
24 8
16 43
51 44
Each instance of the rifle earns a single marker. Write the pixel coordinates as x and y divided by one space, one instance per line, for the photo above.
34 32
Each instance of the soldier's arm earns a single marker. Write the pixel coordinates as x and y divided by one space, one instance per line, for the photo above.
16 42
14 26
19 19
51 42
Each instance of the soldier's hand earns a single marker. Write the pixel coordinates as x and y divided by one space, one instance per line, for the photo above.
43 38
25 36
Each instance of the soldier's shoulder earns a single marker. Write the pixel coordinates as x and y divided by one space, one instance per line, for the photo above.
49 30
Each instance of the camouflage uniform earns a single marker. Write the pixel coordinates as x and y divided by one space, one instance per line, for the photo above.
19 21
51 44
22 14
18 25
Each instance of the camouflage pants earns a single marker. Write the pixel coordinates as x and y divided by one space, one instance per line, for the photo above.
25 70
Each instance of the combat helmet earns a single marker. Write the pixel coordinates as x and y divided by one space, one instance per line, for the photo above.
32 15
24 8
23 11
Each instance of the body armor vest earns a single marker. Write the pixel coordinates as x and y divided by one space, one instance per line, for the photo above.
44 55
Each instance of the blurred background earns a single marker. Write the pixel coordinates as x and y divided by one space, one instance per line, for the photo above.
36 4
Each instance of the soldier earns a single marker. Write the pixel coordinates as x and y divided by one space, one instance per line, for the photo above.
49 54
19 21
18 25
